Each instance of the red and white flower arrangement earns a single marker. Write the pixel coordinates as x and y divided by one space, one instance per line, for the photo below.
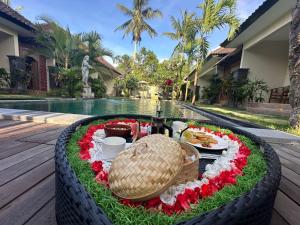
223 171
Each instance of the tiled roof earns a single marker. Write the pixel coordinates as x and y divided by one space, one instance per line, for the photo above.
9 14
108 65
221 51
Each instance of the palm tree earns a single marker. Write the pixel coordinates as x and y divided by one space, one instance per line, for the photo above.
92 43
215 15
294 69
56 42
184 33
137 24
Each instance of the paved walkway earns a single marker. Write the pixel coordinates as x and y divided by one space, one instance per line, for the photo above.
27 188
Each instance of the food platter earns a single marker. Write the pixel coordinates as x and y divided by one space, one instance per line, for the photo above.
204 140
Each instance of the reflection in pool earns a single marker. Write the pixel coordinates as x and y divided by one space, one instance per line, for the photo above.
97 106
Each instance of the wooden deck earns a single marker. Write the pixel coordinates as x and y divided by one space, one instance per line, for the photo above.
27 173
27 188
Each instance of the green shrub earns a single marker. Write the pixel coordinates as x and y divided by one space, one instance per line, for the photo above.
98 87
71 81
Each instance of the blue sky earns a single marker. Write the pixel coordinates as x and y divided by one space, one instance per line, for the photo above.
104 17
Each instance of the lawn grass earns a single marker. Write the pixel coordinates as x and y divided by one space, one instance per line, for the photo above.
19 97
274 122
122 215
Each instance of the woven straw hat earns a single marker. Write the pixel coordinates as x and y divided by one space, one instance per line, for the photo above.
147 168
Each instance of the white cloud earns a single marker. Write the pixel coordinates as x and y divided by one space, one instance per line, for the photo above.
110 60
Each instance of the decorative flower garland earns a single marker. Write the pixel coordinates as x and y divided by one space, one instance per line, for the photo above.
176 199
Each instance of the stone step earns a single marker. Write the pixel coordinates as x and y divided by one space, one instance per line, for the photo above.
269 111
270 105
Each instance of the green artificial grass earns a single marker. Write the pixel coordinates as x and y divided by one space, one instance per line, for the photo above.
19 97
274 122
123 215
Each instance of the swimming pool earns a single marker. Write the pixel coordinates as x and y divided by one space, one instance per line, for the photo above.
96 106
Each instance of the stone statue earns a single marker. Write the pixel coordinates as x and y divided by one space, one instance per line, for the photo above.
85 67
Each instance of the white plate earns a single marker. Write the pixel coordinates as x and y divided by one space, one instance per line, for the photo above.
222 144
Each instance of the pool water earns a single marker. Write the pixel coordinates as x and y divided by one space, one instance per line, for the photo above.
97 106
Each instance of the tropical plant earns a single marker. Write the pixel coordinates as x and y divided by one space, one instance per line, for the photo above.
89 43
119 85
131 83
255 90
184 33
294 69
55 41
4 78
215 15
137 24
213 91
146 65
124 64
71 81
98 87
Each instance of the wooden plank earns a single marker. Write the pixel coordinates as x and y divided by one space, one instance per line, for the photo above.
287 156
278 219
289 164
19 147
24 166
29 131
45 216
15 159
290 189
287 149
290 175
43 137
17 127
16 187
53 142
287 208
295 146
25 206
9 123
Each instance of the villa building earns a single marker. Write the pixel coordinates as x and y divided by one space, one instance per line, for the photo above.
262 45
17 54
20 57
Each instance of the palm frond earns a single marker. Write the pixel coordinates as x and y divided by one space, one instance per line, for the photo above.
150 30
149 13
125 10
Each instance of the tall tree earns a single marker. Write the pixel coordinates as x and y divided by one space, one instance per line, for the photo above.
184 33
137 24
294 67
214 15
57 42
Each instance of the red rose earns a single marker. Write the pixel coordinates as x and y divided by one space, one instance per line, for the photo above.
192 195
244 150
97 166
102 178
183 201
153 203
167 209
84 155
208 190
